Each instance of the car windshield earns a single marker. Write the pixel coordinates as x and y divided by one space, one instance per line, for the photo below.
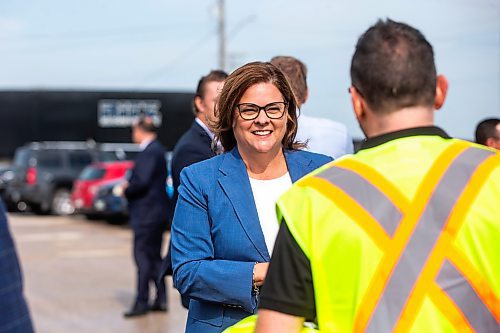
21 158
108 156
91 173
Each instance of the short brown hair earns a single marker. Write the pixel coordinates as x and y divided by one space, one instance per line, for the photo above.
296 73
213 76
145 124
235 86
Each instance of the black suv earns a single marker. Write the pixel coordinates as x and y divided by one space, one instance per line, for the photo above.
44 173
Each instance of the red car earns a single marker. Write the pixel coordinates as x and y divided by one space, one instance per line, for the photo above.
84 188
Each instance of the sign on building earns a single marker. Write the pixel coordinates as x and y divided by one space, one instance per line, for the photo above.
123 112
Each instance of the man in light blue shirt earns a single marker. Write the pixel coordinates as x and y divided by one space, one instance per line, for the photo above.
322 135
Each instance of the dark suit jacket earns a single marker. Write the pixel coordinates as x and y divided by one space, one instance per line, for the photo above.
217 238
146 194
14 314
193 146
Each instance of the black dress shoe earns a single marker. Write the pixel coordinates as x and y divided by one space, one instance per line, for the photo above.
136 310
158 306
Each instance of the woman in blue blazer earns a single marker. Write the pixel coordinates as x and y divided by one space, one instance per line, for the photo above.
224 225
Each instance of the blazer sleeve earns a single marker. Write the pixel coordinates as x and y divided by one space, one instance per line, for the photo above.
141 175
196 273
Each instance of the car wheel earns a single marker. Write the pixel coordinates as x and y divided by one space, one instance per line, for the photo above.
61 203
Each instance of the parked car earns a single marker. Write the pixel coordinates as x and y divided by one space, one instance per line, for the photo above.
44 173
6 175
123 151
85 186
109 201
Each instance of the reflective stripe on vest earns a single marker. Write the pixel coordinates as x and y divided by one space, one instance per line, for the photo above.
416 260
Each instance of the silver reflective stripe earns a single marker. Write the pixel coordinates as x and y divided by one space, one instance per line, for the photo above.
465 297
374 201
422 241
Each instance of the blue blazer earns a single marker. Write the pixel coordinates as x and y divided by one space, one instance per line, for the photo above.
217 238
146 195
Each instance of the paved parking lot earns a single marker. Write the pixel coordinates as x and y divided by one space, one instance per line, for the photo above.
79 277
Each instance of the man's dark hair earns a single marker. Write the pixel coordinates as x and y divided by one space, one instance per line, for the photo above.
145 124
213 76
296 73
393 67
487 129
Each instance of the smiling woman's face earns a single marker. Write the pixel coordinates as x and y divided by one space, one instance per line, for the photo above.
261 135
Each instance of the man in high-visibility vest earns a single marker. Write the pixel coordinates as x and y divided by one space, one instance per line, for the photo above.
405 234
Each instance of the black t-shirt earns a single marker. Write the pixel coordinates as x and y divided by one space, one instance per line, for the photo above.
288 287
294 294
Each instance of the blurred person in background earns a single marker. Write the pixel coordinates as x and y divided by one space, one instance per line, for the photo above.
149 212
403 235
14 313
195 144
224 224
321 135
488 133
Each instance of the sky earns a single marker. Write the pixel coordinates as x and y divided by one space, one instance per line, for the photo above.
161 45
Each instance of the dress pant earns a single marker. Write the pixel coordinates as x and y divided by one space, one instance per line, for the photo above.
147 255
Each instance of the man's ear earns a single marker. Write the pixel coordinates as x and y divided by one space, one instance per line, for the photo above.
198 103
357 104
490 142
441 91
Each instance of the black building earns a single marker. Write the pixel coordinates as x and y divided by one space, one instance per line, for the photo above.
104 116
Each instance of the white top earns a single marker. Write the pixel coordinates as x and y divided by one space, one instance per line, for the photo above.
202 124
265 194
145 143
325 136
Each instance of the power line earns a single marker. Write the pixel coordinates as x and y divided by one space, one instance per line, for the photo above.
190 50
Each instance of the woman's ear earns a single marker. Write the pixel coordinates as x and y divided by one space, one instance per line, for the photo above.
441 90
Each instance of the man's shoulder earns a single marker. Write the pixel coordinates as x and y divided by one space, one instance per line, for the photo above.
324 136
206 166
194 137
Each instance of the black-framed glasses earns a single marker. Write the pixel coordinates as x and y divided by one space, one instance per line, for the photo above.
250 111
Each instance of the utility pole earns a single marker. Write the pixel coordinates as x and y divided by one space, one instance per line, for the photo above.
222 35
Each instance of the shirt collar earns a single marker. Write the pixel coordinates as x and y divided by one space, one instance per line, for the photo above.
209 132
383 138
145 143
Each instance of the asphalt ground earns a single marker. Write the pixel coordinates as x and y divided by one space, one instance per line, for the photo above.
79 277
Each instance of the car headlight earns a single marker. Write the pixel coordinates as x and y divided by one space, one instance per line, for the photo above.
117 190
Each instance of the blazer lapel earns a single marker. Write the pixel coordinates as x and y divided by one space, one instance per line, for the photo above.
298 165
235 183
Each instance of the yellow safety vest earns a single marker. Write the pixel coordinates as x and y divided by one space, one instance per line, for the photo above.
402 237
247 325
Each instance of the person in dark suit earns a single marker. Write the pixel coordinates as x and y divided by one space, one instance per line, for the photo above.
195 144
149 211
224 224
14 313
